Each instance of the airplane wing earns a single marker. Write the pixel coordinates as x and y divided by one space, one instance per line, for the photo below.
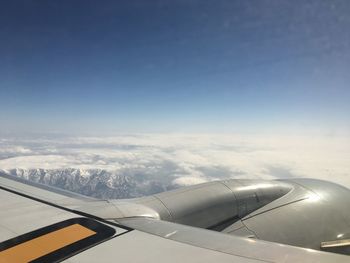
195 224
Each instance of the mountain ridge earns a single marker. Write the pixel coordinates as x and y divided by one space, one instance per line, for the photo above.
96 183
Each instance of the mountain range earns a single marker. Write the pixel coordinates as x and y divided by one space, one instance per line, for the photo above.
96 182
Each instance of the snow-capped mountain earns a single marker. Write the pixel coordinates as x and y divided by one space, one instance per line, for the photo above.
95 182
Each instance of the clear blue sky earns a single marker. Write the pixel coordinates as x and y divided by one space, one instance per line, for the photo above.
175 66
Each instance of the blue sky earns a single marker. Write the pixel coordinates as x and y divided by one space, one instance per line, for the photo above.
175 66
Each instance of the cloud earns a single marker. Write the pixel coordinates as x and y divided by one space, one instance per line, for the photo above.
185 159
189 180
14 150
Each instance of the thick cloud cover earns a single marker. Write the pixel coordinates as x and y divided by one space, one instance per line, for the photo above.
183 159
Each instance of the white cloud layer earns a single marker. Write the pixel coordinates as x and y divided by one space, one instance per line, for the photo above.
187 159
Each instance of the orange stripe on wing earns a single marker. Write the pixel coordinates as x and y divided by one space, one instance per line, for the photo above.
45 244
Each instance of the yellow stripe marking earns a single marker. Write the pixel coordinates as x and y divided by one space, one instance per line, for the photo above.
45 244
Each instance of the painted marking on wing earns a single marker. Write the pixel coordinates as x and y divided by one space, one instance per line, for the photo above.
45 244
171 234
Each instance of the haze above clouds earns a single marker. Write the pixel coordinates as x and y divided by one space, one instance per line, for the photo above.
185 159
